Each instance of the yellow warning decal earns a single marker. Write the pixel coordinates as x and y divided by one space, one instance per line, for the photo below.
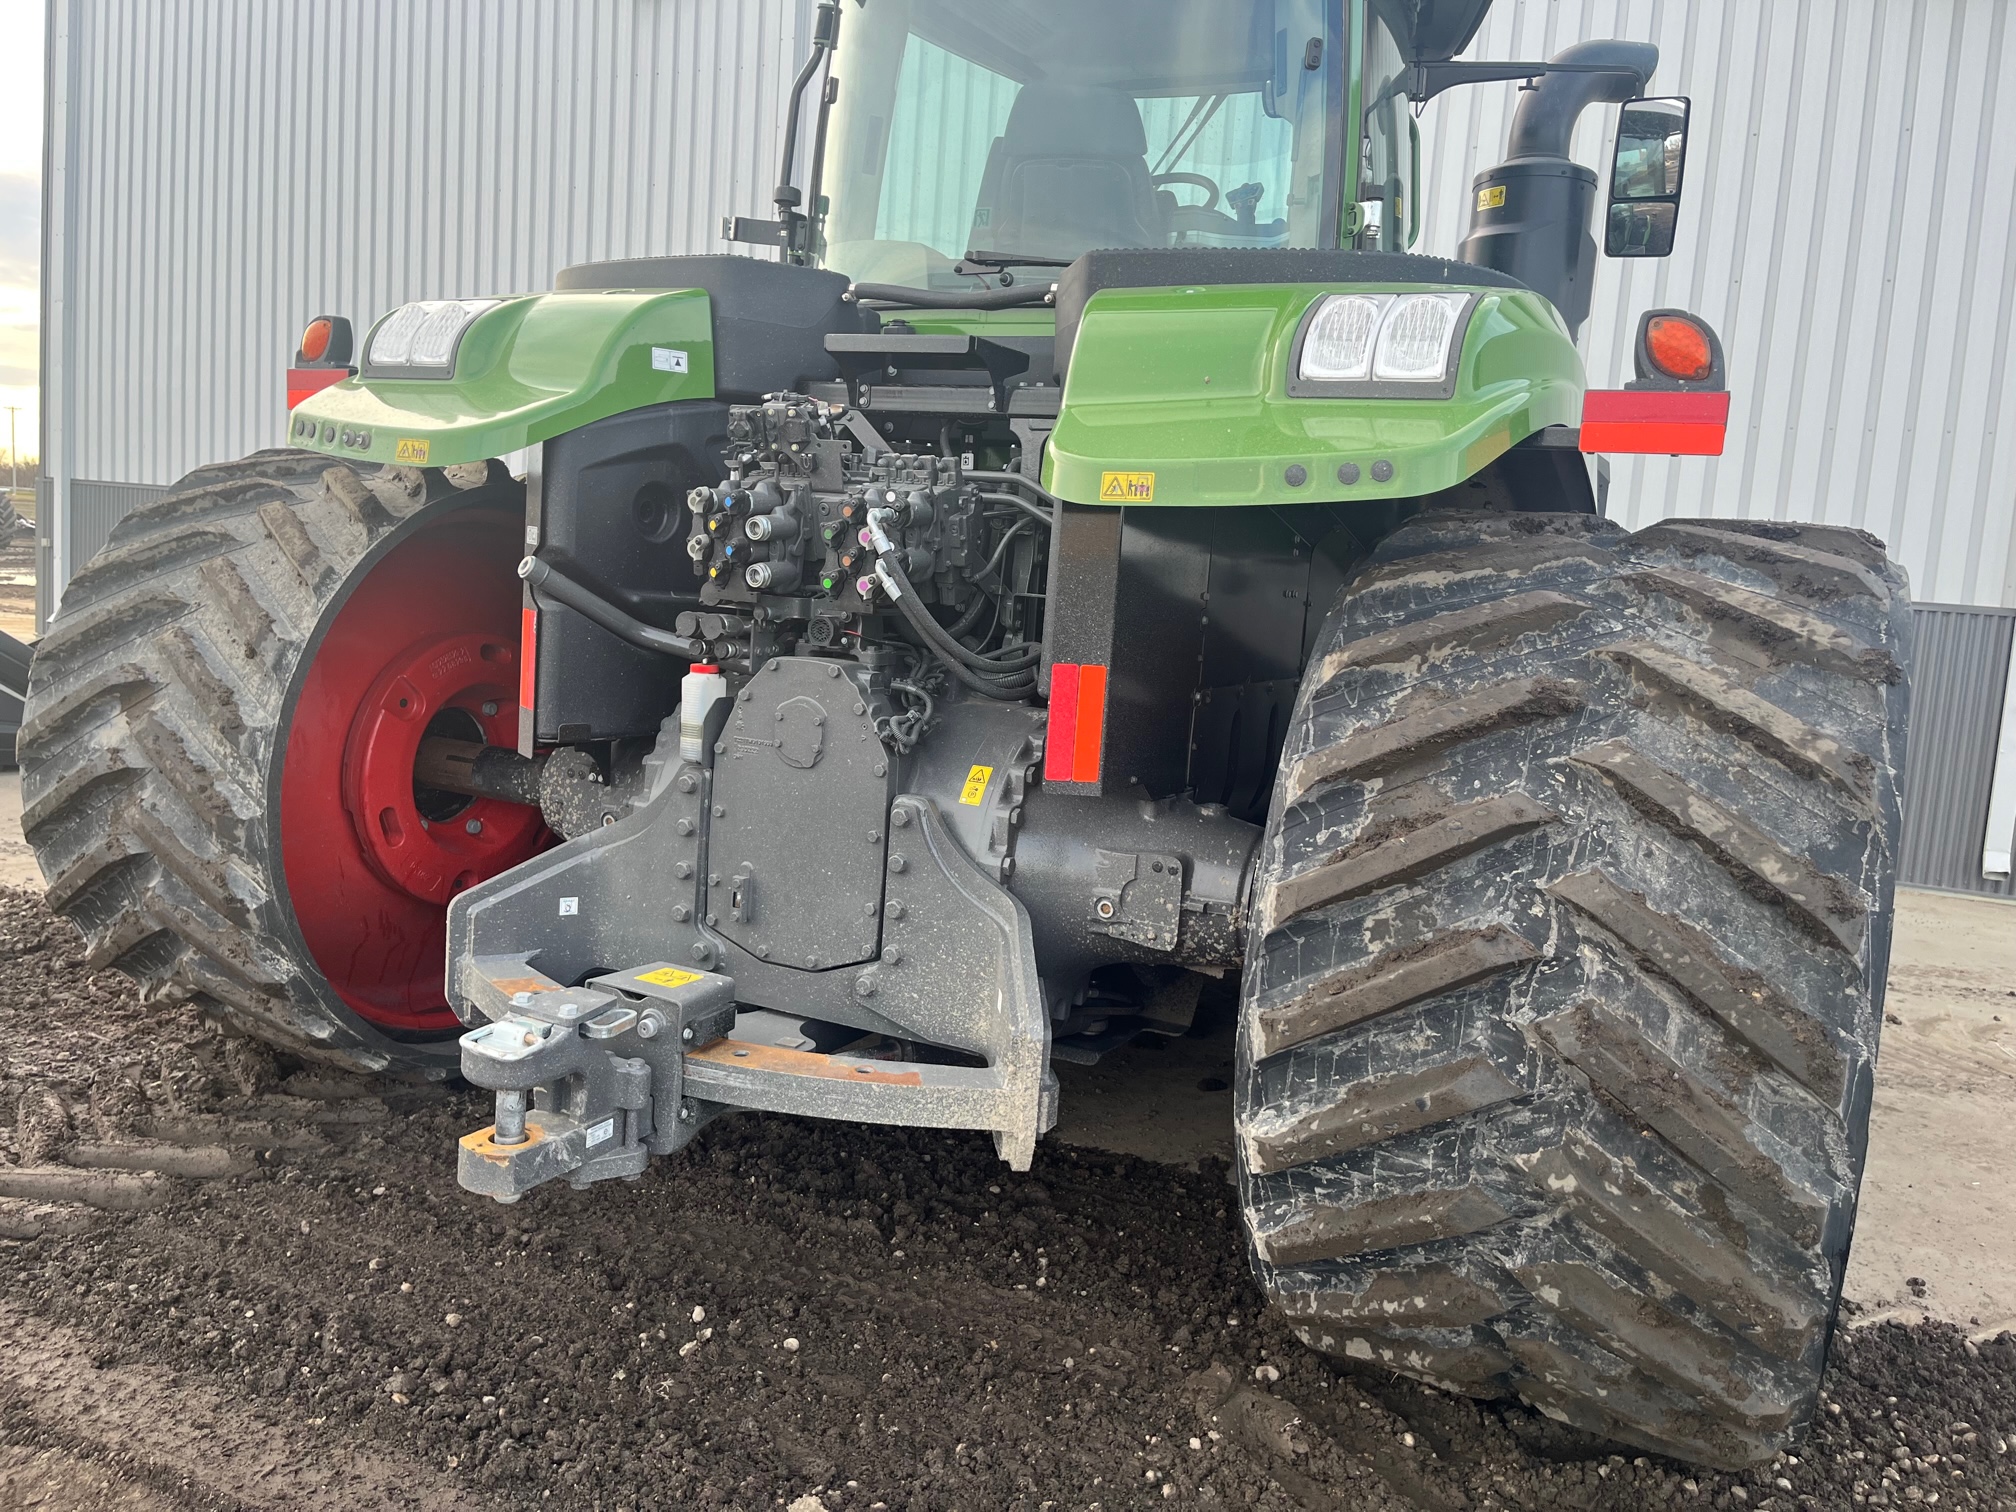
669 976
1127 488
976 786
413 449
1492 198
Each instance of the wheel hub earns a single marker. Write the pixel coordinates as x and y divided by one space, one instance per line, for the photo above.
427 641
434 845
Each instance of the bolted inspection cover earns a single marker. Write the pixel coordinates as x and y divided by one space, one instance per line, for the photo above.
799 834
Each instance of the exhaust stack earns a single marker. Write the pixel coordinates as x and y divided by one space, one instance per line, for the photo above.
1530 216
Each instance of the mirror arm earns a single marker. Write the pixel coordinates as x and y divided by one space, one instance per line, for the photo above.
787 198
1427 80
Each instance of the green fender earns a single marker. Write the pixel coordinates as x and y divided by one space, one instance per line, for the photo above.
1180 396
534 367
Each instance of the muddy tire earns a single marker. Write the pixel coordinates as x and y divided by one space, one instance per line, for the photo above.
161 709
1566 975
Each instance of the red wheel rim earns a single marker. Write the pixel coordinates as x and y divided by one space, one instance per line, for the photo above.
430 634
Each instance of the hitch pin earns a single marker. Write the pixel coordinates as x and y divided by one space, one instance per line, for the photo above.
510 1128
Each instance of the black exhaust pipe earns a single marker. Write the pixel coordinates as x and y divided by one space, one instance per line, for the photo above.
1530 216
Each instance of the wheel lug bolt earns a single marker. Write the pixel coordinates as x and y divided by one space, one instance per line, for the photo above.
474 826
490 709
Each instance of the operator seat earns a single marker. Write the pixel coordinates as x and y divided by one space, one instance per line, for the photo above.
1070 171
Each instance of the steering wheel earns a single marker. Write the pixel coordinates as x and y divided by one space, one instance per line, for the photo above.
1199 180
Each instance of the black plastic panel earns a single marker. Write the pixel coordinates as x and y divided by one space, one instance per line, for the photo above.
612 515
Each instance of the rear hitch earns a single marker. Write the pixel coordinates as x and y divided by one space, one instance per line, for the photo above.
590 1080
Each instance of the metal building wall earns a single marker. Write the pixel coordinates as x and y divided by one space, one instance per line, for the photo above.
1849 229
220 170
1962 656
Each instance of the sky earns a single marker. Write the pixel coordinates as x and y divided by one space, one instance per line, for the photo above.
20 214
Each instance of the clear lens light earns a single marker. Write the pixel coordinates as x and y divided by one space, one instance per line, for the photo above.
1339 344
423 333
1414 338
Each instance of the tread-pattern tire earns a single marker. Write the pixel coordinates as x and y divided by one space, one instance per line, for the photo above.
150 758
1570 931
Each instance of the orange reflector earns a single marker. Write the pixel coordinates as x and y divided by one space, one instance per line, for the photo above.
315 341
1076 741
1678 348
1675 422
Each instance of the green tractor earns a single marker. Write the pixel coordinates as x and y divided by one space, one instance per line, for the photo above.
1085 558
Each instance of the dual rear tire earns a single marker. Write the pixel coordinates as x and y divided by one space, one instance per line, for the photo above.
217 749
1570 936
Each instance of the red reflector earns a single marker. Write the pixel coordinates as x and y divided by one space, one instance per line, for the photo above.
1678 348
1077 738
528 657
1654 421
1091 742
315 341
301 382
1060 750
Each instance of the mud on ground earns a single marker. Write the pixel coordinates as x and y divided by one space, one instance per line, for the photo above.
312 1312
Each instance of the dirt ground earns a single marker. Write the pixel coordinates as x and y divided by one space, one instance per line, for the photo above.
226 1288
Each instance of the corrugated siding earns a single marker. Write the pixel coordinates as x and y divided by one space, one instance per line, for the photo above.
95 508
223 169
1849 229
1960 665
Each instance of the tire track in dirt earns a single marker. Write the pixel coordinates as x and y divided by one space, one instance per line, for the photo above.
177 1442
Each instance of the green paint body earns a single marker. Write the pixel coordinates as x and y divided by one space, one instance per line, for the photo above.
535 367
1190 384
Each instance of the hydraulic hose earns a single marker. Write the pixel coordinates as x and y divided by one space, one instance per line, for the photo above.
1011 480
1012 687
1034 511
995 561
591 606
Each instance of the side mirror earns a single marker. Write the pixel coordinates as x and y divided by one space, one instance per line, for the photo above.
1645 178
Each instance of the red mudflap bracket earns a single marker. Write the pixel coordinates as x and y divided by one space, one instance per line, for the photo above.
1651 422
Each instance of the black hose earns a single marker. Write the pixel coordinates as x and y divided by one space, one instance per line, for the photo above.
971 616
987 664
995 560
1034 511
557 586
1015 692
1012 479
1009 684
952 299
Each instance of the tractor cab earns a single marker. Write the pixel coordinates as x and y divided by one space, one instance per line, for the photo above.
1024 136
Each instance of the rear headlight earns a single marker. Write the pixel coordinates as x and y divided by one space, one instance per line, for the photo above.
1381 338
424 334
1414 338
1338 347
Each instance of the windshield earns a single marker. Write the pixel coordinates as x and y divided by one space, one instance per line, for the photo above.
1028 132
